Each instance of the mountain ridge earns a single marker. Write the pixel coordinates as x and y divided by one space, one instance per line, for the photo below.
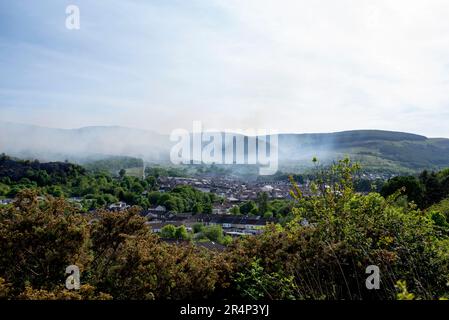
376 149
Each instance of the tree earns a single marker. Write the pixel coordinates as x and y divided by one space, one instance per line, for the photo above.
410 186
207 208
55 191
268 215
235 210
198 227
181 233
152 182
262 203
168 231
153 197
197 208
433 190
248 207
227 240
122 173
213 233
4 189
439 213
172 204
255 283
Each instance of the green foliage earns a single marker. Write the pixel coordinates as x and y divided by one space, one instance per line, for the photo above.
39 240
198 227
321 251
439 219
256 284
442 207
4 189
181 233
345 232
213 233
403 293
248 207
168 231
425 190
281 209
268 215
262 203
235 210
113 165
165 172
185 199
226 240
410 186
119 257
98 188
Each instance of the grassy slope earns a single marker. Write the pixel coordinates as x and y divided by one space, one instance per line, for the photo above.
376 150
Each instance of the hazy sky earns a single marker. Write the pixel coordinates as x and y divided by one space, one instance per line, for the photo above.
289 65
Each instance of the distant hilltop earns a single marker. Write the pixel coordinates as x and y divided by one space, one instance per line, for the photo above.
375 149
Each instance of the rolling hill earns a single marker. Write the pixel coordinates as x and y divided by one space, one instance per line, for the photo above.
375 149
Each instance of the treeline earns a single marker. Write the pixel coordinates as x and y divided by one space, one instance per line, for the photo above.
360 184
42 174
97 189
262 206
157 171
200 232
184 199
113 165
425 190
322 253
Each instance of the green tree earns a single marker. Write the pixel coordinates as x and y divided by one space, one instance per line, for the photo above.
235 210
198 227
256 284
410 186
433 189
168 231
197 208
248 207
262 203
334 235
213 233
181 233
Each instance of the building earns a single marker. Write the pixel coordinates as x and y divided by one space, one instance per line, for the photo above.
119 206
6 201
235 223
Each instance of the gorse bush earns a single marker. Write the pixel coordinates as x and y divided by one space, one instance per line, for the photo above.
118 256
337 233
38 240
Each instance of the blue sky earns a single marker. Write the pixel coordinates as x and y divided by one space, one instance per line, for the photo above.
289 65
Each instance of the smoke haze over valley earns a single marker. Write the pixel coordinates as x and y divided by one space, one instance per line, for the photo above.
375 149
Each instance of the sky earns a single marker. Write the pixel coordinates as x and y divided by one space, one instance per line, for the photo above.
284 65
